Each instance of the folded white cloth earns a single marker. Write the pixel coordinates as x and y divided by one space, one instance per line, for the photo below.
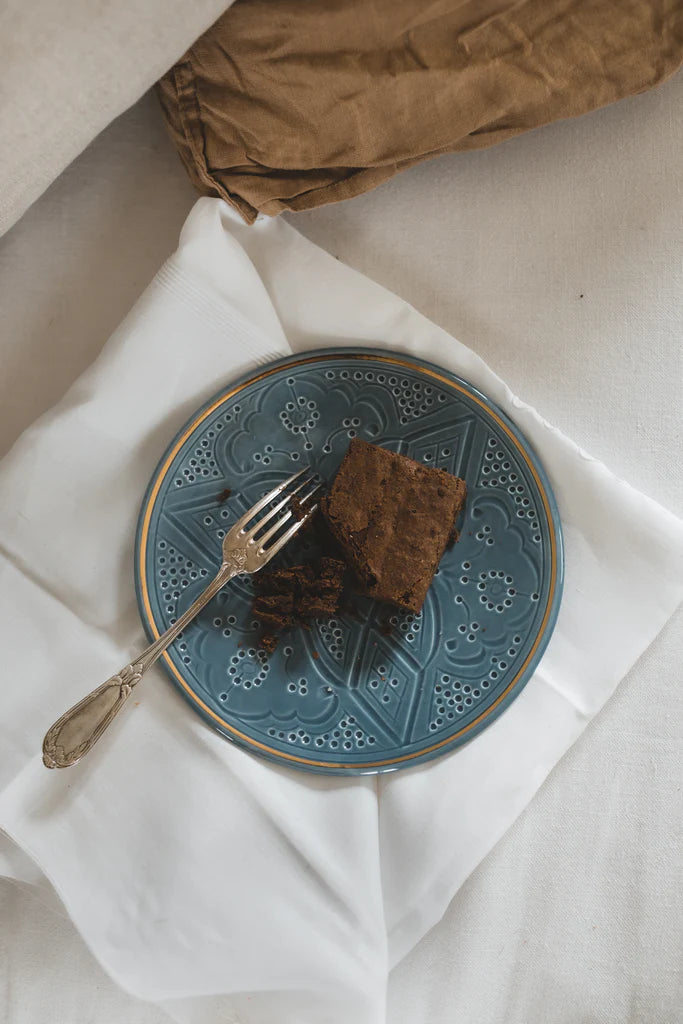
70 67
199 875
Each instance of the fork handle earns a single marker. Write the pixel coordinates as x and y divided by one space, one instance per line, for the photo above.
79 728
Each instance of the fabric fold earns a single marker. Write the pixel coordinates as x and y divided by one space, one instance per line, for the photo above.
69 69
200 876
291 105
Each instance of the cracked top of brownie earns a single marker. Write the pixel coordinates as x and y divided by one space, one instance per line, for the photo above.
393 519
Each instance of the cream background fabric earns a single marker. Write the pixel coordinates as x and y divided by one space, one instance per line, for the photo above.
69 68
574 916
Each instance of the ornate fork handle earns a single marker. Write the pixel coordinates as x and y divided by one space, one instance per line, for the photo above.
79 728
246 549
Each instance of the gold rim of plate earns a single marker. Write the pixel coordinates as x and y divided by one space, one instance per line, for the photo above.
161 476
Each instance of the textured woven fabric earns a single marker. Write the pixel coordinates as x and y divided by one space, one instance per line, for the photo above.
567 280
69 67
287 104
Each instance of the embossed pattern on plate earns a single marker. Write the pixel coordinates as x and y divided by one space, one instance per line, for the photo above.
373 690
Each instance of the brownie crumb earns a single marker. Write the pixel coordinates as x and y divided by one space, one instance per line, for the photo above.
292 597
269 642
453 538
224 495
299 511
315 655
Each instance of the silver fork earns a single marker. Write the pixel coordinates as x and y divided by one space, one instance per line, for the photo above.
244 551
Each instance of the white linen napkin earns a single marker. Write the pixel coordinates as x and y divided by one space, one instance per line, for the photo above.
69 68
199 875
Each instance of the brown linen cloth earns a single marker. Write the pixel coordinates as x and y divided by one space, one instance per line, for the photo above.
290 104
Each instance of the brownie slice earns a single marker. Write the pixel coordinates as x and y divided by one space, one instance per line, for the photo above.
392 518
289 597
320 598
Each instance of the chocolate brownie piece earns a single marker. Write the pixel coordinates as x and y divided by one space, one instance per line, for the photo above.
275 611
320 598
392 518
289 597
272 582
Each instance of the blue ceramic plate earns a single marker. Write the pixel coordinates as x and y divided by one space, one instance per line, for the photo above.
376 690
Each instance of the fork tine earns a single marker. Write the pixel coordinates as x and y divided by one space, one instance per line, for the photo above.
310 494
283 519
251 534
248 516
273 530
281 541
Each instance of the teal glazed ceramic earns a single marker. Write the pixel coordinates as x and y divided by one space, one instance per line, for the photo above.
377 689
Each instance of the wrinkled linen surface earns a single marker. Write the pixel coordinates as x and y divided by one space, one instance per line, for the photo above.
288 104
68 68
200 876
